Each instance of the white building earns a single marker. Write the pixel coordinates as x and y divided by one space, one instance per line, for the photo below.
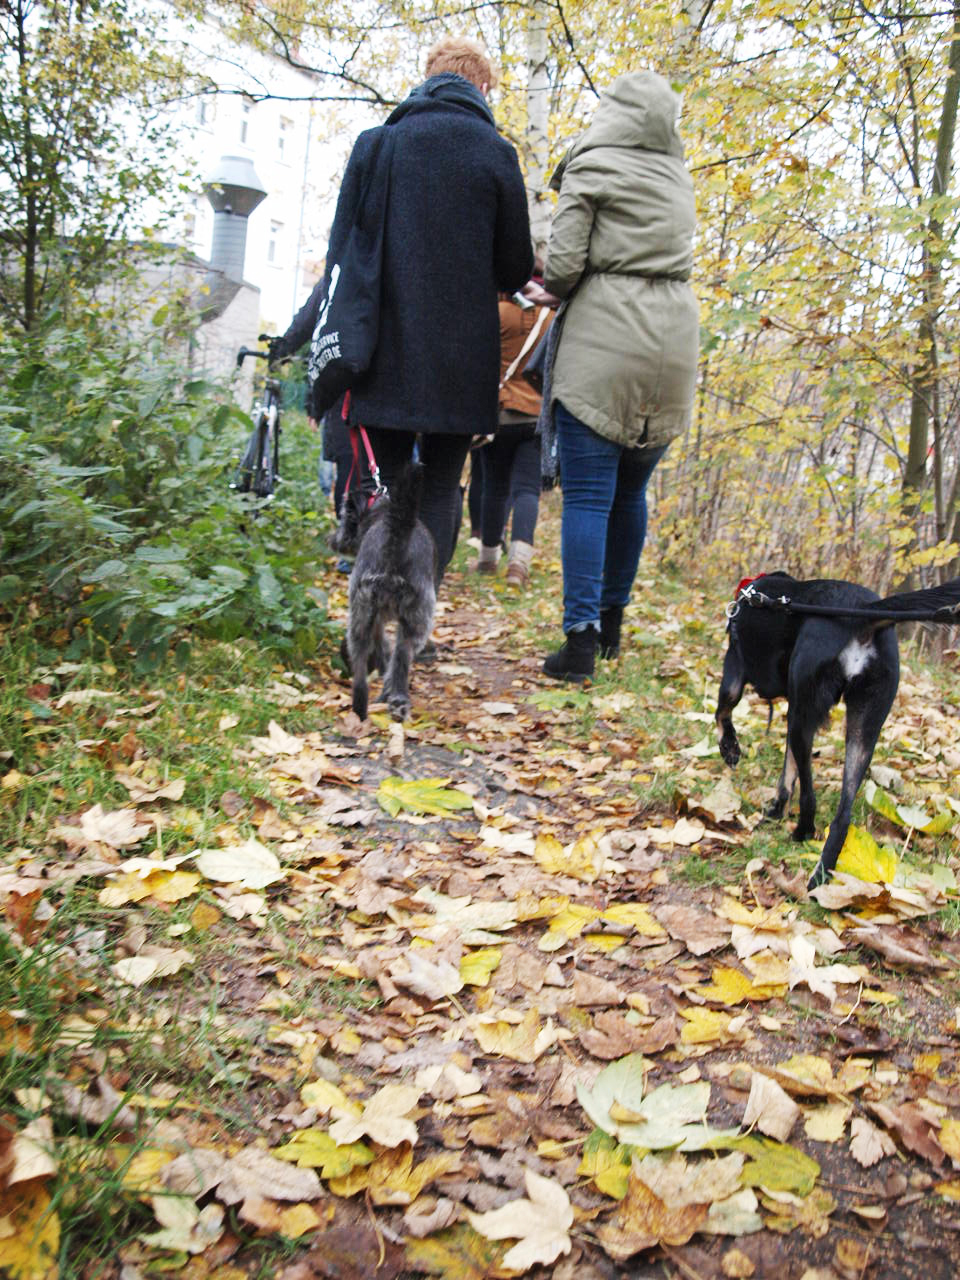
261 111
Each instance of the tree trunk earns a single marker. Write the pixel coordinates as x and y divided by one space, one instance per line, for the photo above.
536 145
923 390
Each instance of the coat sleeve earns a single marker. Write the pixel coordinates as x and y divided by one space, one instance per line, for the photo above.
303 323
513 250
570 234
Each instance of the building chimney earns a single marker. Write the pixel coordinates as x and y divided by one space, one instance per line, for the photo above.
234 190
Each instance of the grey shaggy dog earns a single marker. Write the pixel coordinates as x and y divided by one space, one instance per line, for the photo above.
393 580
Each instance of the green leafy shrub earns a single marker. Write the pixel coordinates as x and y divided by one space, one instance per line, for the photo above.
115 506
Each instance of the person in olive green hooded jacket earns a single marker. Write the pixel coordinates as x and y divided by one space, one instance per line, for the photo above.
622 381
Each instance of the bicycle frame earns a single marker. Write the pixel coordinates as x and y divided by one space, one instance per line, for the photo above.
259 469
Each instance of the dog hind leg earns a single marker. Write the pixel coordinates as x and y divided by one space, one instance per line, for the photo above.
867 709
788 779
359 646
396 683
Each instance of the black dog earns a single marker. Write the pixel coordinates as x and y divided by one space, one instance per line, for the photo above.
393 580
814 662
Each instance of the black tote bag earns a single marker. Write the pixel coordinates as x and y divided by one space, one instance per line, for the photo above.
345 336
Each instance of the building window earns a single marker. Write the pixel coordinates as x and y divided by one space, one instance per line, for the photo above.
273 244
283 139
206 111
246 110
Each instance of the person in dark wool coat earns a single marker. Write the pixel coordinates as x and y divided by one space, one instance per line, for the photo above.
457 233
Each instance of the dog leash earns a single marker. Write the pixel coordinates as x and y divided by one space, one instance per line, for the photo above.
748 593
358 434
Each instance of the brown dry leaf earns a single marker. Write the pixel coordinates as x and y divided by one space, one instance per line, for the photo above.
700 931
722 804
822 979
184 1227
252 1172
119 828
685 832
868 1144
735 1265
151 962
612 1036
589 990
98 1104
194 1172
277 742
521 1038
810 1213
270 1217
31 1151
678 1182
428 973
427 1215
845 890
916 1131
769 1108
898 945
643 1221
145 791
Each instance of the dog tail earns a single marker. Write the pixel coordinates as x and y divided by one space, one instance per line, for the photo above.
937 604
402 513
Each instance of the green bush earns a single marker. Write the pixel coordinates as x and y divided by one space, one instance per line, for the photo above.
115 506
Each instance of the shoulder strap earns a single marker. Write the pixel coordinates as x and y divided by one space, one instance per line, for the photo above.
527 346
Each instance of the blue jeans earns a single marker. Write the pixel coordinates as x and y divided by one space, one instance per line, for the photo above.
604 519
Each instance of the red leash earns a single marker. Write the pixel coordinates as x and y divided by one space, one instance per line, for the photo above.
358 434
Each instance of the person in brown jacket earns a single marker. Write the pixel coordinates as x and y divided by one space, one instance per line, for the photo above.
510 462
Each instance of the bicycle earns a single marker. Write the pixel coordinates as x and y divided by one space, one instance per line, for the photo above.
259 469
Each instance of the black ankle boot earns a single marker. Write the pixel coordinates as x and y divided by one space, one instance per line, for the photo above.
610 620
575 660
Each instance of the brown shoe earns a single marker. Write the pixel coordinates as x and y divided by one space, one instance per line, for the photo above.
488 561
517 574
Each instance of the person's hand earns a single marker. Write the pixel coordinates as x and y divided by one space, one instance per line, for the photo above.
276 349
538 295
311 423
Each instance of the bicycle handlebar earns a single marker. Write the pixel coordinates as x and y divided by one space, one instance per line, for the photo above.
251 351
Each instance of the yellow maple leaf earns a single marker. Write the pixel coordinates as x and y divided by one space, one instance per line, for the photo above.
731 987
323 1095
31 1237
141 1174
583 859
393 1178
476 967
638 915
949 1138
172 886
572 920
315 1149
522 1041
827 1123
703 1026
862 857
530 907
298 1219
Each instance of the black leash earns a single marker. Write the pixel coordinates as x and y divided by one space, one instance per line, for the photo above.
757 600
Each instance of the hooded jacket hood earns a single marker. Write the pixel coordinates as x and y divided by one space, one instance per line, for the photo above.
639 110
445 89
